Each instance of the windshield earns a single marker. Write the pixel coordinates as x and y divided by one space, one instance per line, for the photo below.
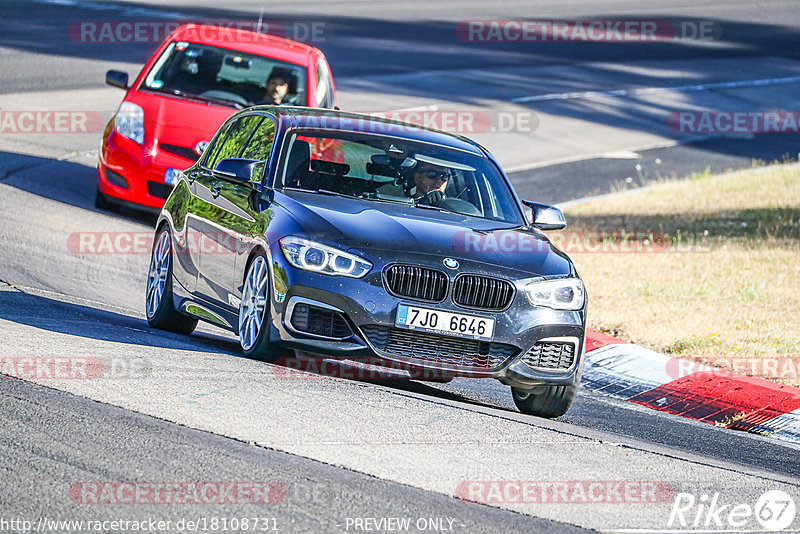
225 76
389 169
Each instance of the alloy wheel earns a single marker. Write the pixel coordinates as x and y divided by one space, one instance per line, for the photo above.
159 270
254 303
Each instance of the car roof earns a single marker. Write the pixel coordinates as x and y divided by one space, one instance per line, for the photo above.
328 119
244 41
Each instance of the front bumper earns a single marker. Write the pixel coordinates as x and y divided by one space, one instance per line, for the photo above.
132 173
370 311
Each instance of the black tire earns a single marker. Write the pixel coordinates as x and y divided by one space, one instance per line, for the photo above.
545 401
161 311
261 348
101 202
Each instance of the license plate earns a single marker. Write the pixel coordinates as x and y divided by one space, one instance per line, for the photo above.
444 322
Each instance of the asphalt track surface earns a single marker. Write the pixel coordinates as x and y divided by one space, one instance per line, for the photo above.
343 449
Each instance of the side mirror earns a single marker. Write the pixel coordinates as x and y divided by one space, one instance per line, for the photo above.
247 171
117 78
546 217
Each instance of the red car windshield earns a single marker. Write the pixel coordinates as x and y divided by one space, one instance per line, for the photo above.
223 76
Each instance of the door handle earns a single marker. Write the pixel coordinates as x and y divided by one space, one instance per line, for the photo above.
215 191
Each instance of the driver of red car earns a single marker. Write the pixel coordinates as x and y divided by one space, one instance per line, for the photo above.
277 86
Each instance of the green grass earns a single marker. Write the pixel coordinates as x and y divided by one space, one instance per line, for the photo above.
725 280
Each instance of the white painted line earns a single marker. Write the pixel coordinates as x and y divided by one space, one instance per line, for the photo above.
624 371
667 143
722 176
585 200
429 107
630 370
124 10
656 90
620 154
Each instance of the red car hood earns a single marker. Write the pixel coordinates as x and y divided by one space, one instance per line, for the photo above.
167 113
178 122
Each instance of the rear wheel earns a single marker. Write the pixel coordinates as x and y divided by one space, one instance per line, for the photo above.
159 305
254 314
545 401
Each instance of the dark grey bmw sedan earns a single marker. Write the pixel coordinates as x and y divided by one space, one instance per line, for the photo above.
354 237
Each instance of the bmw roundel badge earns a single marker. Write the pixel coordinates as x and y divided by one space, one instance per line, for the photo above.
450 263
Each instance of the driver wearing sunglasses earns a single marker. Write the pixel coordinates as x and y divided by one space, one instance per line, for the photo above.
430 181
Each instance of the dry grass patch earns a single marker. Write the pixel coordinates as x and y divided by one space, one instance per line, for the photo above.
724 291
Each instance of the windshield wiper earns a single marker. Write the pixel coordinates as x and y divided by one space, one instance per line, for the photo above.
408 202
206 99
429 207
419 204
301 189
319 191
335 193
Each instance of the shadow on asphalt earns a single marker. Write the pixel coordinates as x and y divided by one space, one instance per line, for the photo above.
89 322
371 372
93 323
377 51
380 48
589 411
60 180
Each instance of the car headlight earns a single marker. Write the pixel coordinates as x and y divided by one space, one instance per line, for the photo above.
129 122
559 294
311 256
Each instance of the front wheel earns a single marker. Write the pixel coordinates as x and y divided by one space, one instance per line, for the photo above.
254 315
545 401
159 306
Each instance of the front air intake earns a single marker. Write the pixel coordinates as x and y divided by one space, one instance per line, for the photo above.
556 355
321 322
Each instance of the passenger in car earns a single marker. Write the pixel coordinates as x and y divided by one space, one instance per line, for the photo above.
199 74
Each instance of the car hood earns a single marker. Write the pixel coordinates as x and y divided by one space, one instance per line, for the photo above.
395 232
166 112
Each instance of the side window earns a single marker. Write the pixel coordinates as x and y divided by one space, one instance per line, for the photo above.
324 94
495 206
260 144
211 152
237 139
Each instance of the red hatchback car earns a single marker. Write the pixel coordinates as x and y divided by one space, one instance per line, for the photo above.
196 79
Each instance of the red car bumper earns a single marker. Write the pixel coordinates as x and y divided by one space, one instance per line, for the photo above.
134 173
